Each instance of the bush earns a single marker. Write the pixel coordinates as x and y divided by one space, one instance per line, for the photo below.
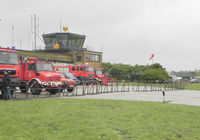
137 72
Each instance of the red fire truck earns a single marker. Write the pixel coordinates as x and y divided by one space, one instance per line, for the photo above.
31 74
99 75
38 75
103 78
9 62
84 73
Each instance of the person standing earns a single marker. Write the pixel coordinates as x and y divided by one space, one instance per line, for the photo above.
7 86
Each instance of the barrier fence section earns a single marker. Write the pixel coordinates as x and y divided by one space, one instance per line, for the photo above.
152 86
96 88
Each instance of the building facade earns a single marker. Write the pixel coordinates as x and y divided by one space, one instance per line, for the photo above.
65 47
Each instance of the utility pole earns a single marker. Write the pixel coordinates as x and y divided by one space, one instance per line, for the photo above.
12 35
20 44
34 31
29 36
34 28
102 47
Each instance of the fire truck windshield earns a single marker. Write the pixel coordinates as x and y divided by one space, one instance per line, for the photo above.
98 72
44 67
90 69
8 58
62 75
68 74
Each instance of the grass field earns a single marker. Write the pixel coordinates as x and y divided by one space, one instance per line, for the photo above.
80 119
192 86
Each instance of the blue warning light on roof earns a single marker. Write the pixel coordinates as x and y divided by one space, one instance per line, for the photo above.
13 47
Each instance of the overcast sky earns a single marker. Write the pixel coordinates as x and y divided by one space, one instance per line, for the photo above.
129 31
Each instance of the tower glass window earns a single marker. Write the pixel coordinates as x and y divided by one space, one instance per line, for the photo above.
75 41
65 40
92 58
50 41
62 40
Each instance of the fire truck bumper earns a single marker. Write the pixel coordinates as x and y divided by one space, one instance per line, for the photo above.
52 84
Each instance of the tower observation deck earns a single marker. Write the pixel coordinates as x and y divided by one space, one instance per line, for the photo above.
65 47
63 41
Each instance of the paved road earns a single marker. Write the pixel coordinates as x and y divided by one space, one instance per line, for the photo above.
186 97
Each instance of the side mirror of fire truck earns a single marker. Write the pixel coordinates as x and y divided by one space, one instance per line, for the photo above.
37 73
95 72
21 59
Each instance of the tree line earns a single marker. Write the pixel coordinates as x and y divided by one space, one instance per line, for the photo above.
154 72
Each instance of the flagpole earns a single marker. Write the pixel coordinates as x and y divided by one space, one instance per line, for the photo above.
152 60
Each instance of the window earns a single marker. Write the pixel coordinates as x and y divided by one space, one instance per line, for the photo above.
73 68
82 68
8 58
90 69
31 67
64 70
78 57
50 41
77 68
92 57
47 41
60 69
62 39
62 75
75 40
98 72
53 40
44 67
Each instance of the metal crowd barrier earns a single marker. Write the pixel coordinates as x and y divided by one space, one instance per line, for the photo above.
92 89
149 87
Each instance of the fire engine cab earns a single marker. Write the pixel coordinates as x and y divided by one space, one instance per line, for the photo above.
84 73
38 75
9 62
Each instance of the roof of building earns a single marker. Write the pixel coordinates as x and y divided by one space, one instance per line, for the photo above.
64 33
47 56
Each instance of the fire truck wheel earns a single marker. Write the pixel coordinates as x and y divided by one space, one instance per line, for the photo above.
61 90
70 90
53 91
35 89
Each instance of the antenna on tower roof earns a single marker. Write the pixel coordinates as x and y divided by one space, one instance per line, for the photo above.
60 25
